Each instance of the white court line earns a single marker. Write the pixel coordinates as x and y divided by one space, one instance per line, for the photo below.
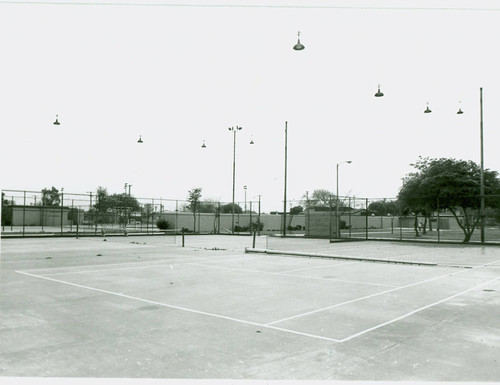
338 280
181 308
373 295
416 311
317 267
288 275
170 261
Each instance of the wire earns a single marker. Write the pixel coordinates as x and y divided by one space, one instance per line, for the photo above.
245 6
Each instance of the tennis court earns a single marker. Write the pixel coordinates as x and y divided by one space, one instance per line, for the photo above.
145 307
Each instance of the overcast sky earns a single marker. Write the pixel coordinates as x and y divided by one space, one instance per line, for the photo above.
181 75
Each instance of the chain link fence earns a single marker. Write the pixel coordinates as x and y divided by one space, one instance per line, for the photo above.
27 213
362 218
38 212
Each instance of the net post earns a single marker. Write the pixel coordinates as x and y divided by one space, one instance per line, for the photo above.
183 237
253 241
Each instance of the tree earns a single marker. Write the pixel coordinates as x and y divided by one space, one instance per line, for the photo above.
102 202
449 184
6 211
320 198
228 208
294 211
384 207
50 197
193 198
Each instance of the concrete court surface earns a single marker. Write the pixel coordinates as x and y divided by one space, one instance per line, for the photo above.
144 307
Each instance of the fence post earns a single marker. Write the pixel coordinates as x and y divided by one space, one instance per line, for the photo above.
3 211
176 215
251 225
258 218
77 221
218 219
366 220
438 228
12 215
400 224
24 211
62 200
350 217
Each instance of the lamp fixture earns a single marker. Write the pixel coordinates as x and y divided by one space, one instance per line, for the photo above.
379 94
298 46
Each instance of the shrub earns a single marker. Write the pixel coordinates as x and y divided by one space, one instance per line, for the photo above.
163 224
257 226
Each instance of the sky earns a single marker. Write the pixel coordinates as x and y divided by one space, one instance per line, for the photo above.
180 73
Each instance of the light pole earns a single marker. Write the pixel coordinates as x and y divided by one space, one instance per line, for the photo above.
245 188
337 221
284 194
482 163
234 130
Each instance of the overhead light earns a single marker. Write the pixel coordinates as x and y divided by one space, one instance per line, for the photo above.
427 110
459 112
140 139
203 145
57 121
298 46
378 94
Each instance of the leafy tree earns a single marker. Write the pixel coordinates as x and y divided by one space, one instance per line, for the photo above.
228 209
208 206
449 184
320 198
384 207
4 200
51 197
123 201
102 203
6 211
194 196
296 210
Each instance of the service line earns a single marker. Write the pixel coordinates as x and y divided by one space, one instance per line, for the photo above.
181 308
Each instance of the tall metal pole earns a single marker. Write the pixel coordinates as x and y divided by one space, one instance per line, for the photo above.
234 129
337 233
482 164
234 175
284 197
245 188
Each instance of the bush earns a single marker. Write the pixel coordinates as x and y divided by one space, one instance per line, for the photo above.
257 226
343 224
163 224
